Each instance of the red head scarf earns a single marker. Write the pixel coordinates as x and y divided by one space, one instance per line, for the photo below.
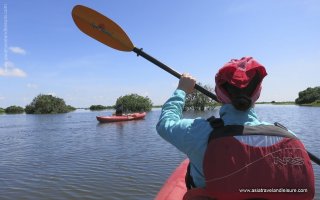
239 73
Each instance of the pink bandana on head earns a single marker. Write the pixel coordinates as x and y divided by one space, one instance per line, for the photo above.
239 73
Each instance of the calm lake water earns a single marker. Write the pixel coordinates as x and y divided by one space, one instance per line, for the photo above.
72 156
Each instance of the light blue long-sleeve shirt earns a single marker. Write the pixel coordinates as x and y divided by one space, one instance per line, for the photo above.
190 136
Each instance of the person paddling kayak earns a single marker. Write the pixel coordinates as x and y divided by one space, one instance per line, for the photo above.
119 110
237 156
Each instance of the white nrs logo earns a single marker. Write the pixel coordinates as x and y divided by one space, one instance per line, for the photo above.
288 161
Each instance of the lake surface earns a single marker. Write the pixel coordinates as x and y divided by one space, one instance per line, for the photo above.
72 156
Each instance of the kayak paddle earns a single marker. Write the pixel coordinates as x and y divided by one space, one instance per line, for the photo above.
106 31
103 29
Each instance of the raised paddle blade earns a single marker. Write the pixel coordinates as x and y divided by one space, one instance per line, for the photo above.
101 28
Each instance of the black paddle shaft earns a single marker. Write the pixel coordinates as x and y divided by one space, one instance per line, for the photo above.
314 158
139 52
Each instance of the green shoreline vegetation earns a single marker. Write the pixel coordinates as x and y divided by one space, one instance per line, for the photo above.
134 103
14 110
313 104
278 103
48 104
99 107
130 103
309 97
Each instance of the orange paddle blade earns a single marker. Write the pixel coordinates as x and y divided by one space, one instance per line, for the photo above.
101 28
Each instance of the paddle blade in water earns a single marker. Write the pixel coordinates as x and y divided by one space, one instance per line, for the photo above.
101 28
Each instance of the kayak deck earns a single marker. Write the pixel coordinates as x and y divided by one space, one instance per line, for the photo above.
129 117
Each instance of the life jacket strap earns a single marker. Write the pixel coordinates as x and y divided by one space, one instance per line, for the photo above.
220 130
189 180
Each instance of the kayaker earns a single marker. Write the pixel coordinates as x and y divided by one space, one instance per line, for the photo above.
119 110
255 155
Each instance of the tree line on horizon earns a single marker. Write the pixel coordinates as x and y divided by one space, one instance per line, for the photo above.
199 102
41 104
48 104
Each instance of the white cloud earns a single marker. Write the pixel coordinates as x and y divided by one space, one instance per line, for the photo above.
12 72
32 85
51 93
10 69
2 98
18 50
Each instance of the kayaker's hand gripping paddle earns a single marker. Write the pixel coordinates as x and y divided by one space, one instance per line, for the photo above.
106 31
109 33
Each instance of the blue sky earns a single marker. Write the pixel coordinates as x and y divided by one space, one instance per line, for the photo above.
42 51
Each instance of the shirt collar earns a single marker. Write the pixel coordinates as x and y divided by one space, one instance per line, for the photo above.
232 116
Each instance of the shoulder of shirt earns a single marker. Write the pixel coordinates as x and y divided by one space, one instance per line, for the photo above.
201 125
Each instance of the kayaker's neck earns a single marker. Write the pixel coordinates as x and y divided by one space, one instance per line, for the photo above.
231 115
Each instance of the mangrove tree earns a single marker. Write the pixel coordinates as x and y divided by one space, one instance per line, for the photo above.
47 104
134 103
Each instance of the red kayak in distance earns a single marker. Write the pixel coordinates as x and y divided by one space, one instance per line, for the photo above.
175 187
128 117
